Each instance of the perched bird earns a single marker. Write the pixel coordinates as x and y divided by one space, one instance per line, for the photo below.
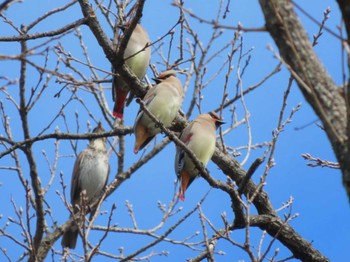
163 100
137 59
200 137
90 174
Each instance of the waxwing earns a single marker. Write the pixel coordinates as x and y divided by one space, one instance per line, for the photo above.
200 137
137 59
163 100
90 173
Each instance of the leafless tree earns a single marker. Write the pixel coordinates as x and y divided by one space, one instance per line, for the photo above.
45 103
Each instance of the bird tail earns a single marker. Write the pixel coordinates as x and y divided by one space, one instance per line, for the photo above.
69 238
118 110
185 181
181 195
142 138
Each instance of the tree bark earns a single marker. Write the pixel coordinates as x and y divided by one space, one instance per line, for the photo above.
344 6
317 86
267 219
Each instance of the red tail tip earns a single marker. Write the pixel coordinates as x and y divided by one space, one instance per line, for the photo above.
181 196
136 151
118 115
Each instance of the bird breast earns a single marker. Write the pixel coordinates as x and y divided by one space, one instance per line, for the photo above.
93 172
137 63
203 145
164 107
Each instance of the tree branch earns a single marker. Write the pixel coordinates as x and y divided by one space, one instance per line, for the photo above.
62 136
313 80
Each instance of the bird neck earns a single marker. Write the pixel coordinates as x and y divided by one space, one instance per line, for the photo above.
98 144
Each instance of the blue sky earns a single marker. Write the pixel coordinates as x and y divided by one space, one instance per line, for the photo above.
318 194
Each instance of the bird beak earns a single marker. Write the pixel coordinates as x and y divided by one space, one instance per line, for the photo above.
219 122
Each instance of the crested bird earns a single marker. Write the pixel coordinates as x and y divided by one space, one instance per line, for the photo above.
90 174
163 100
137 57
200 137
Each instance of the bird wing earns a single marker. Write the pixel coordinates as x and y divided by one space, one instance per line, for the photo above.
75 184
150 95
146 100
185 137
179 161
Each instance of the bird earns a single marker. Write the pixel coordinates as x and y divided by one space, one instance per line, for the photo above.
200 137
163 100
90 174
138 56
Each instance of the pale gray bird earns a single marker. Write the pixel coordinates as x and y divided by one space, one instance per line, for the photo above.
90 174
137 59
200 137
163 100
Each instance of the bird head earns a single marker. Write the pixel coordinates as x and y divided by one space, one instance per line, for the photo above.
98 129
217 120
164 75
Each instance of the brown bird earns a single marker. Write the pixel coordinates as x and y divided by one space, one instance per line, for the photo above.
200 137
137 59
90 174
164 101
